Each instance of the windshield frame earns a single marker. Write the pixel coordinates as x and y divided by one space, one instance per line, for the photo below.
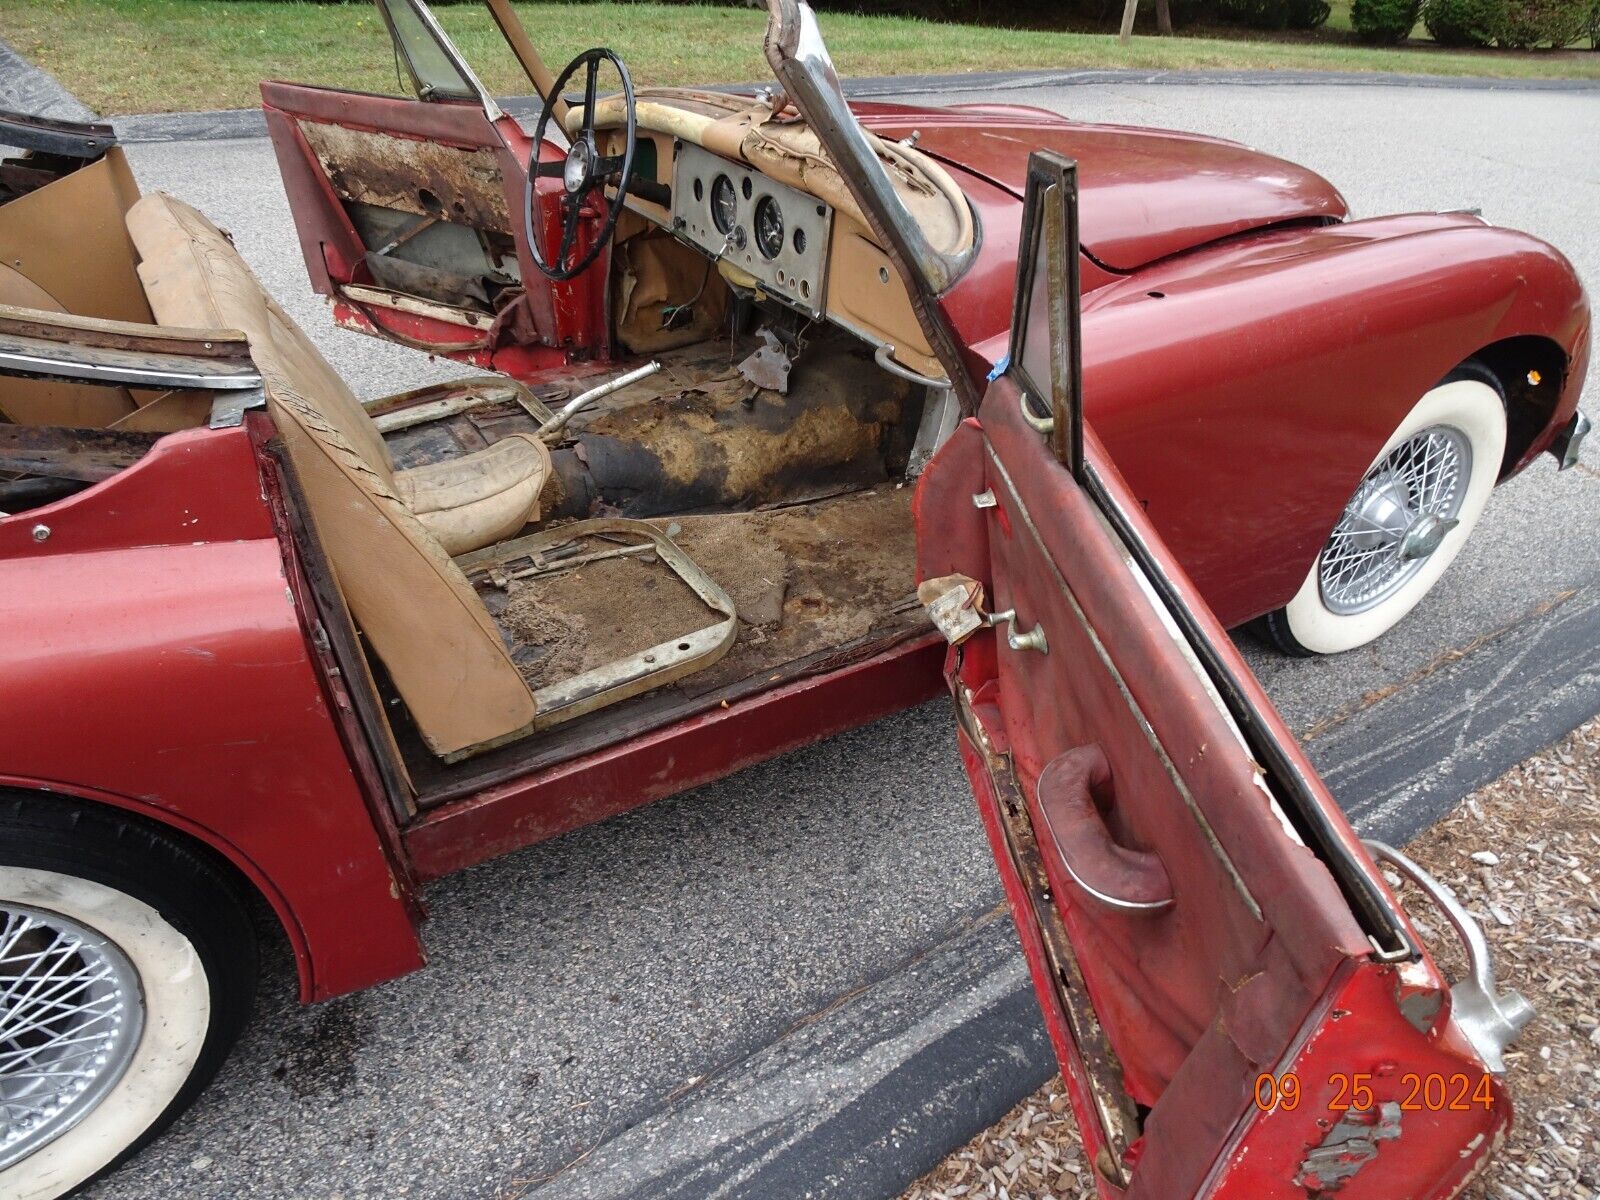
799 59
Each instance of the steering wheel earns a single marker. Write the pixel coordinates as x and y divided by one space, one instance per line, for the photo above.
582 172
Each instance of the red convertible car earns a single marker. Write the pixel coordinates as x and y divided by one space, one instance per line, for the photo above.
803 413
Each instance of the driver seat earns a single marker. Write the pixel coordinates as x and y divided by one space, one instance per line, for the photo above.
193 276
388 534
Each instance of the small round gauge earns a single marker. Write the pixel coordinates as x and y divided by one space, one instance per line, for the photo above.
724 204
769 227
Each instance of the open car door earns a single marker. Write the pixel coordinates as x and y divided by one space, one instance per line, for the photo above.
410 209
1239 1004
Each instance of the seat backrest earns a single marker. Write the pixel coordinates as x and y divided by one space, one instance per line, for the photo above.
419 613
190 269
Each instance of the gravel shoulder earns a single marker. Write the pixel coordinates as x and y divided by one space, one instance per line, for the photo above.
1523 853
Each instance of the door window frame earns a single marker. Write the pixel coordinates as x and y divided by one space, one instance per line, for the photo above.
1050 238
467 85
1050 213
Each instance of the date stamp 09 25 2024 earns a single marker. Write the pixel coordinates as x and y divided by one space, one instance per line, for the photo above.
1425 1092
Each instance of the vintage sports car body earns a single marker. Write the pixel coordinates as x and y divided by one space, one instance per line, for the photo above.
1254 362
271 641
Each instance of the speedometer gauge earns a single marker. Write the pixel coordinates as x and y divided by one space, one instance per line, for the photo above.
769 227
724 204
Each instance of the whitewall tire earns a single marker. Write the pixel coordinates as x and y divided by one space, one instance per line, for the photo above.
127 968
1405 524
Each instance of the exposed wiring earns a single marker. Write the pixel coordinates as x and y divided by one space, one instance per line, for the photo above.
670 313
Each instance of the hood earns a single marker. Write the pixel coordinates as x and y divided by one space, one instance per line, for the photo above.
1143 193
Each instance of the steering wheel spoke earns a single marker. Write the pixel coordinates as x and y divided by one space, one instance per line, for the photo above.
582 171
590 82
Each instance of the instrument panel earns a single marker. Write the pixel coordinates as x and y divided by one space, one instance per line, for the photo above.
765 228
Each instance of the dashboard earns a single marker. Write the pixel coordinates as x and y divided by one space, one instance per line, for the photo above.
770 231
806 250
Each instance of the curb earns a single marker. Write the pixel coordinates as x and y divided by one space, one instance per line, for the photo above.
860 1100
231 123
854 1102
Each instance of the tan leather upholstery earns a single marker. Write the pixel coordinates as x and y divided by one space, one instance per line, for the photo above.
790 152
414 605
475 501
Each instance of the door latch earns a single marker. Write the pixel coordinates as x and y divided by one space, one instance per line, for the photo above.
1033 639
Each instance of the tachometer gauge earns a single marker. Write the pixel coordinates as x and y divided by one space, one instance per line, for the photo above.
769 227
724 204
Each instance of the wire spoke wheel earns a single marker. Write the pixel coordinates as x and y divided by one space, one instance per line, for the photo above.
1399 516
71 1015
1410 514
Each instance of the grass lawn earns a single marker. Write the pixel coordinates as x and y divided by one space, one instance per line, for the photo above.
124 56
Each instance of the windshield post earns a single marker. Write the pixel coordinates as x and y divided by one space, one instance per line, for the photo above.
533 64
803 67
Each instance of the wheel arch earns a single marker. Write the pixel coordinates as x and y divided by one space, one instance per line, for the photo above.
1205 373
253 884
1530 373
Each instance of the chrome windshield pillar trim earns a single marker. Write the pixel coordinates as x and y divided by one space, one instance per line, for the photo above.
800 61
807 73
1569 442
1490 1019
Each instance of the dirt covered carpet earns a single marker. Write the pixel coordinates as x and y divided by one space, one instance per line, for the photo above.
1524 854
805 580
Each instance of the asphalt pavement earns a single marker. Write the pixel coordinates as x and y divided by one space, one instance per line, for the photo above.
589 996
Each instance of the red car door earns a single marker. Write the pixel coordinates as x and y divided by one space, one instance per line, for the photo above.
410 211
1239 1004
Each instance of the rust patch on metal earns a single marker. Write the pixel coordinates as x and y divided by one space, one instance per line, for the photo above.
88 455
1119 1119
1349 1146
715 438
430 179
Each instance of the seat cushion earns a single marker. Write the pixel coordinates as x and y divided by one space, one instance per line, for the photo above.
478 499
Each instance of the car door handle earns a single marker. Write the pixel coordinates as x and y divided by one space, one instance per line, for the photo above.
1032 639
1113 875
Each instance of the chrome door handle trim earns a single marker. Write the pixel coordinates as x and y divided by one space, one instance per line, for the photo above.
1037 424
1033 639
1491 1020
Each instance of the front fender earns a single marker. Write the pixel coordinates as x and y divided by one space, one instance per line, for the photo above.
155 661
1244 389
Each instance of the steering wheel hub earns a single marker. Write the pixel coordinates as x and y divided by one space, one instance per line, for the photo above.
575 172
